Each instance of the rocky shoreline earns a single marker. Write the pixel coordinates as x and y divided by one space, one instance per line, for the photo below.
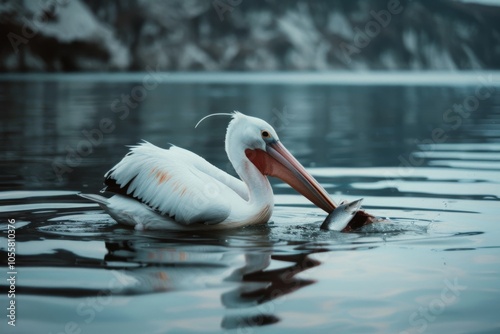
241 35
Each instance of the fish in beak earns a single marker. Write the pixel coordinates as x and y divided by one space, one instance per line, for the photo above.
339 218
277 161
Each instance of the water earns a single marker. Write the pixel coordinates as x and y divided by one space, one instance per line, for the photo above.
390 139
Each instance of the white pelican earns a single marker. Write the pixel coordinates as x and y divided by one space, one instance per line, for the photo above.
175 189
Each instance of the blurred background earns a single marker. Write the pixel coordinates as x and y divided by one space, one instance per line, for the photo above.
244 35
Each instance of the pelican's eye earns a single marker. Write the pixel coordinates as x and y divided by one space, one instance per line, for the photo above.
265 134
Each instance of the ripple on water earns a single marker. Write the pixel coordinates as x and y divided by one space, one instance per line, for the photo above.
80 225
22 194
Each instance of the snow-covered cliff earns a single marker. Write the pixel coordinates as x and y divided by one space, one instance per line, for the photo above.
72 35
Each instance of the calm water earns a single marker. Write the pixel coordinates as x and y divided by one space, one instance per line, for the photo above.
433 171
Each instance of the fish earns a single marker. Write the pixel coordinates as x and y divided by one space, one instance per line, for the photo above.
339 218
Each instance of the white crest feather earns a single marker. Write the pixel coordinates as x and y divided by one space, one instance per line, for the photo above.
215 114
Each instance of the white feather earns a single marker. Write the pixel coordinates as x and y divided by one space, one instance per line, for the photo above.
178 183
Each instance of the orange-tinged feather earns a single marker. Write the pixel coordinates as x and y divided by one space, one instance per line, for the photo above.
162 176
163 275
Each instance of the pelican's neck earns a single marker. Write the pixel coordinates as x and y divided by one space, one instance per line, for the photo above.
258 208
259 188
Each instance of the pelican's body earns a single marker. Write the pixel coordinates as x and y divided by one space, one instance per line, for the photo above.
175 189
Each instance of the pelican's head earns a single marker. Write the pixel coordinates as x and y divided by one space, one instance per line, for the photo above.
249 133
261 145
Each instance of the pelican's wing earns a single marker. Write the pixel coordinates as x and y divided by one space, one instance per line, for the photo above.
175 182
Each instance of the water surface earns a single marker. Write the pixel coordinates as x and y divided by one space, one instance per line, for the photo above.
422 153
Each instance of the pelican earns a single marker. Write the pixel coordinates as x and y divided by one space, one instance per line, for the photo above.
175 189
